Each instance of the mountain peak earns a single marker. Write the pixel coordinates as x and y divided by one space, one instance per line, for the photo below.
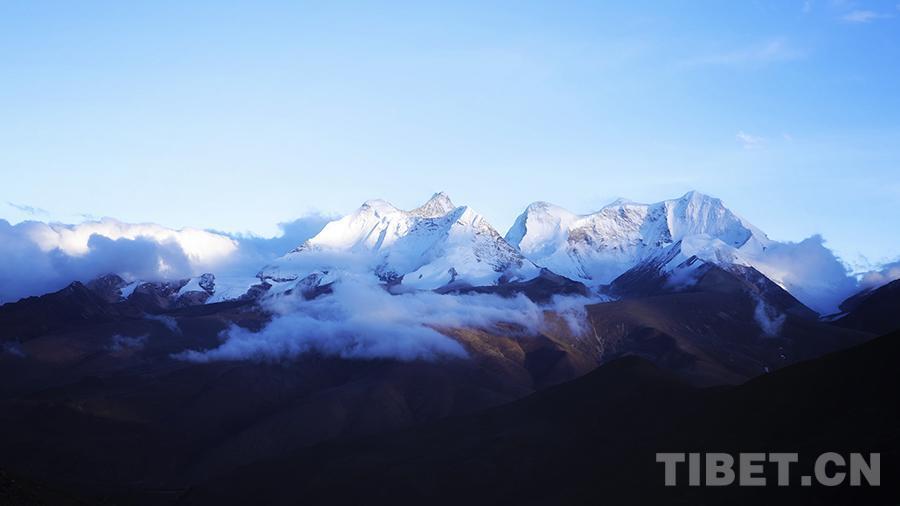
695 196
438 205
426 248
380 207
621 201
540 205
597 247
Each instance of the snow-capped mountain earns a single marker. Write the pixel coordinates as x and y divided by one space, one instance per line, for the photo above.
596 248
440 246
209 288
167 294
429 247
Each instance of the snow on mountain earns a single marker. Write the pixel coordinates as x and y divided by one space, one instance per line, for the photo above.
429 247
598 247
204 289
438 205
440 245
203 283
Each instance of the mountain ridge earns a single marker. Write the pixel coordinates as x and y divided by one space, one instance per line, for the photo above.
428 247
439 246
596 248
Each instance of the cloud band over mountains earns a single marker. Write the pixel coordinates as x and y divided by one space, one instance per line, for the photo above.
37 257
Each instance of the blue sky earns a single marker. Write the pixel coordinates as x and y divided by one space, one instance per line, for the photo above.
237 116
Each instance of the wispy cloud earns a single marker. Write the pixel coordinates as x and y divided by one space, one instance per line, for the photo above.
863 16
880 275
29 210
774 50
749 141
807 6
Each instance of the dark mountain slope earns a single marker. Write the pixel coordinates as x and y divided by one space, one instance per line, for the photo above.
593 441
18 491
877 310
541 289
105 410
652 277
74 305
98 302
96 403
712 337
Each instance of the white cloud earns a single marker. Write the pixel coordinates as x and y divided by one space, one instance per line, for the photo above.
774 50
863 16
881 275
119 342
199 246
362 320
809 271
749 141
768 318
37 257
